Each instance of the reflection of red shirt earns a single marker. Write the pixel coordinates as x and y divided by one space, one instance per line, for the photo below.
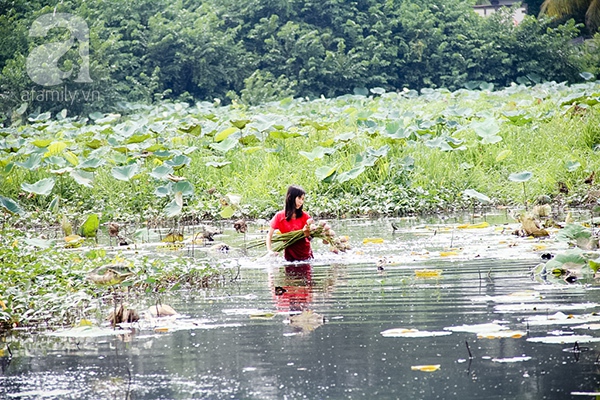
297 294
300 250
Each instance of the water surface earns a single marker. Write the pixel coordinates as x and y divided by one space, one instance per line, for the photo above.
237 341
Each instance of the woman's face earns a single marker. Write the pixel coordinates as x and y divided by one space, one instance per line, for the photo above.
299 201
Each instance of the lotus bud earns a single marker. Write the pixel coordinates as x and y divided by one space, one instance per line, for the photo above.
330 233
326 227
322 223
309 221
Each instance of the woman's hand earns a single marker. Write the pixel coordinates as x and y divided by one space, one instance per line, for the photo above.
306 230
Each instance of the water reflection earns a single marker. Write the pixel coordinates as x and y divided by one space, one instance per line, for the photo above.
293 291
234 356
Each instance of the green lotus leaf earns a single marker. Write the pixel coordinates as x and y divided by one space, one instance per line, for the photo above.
352 174
82 177
572 165
10 205
224 134
161 171
90 226
91 164
225 145
183 187
317 153
173 208
178 162
125 173
326 173
42 187
472 193
32 163
520 177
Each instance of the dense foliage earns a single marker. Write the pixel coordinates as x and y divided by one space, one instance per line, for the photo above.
254 51
377 153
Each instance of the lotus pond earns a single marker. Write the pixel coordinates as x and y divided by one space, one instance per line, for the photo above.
435 308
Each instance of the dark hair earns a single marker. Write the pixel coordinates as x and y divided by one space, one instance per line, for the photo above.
290 202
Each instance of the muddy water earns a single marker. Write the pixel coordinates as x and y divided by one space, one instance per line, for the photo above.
262 337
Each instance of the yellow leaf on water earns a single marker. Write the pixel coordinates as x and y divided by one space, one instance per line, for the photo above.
2 305
474 226
173 237
448 253
425 368
428 273
372 240
537 247
262 315
85 322
73 241
161 329
72 238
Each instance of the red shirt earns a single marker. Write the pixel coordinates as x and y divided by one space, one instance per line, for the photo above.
300 250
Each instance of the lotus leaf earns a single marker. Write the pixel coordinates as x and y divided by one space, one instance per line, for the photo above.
42 187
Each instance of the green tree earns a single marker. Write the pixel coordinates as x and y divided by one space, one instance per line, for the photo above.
587 11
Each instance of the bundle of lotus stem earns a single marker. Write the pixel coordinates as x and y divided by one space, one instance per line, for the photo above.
319 230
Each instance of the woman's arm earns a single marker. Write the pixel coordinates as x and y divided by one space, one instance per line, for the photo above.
269 239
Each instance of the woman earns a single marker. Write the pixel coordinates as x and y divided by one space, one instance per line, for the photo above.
292 218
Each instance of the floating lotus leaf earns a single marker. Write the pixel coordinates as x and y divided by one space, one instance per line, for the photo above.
560 318
425 368
88 332
564 339
505 334
428 273
412 333
477 328
511 359
109 275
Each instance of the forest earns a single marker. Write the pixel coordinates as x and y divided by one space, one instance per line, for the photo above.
255 51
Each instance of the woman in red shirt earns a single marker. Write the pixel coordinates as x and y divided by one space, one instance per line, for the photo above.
292 218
